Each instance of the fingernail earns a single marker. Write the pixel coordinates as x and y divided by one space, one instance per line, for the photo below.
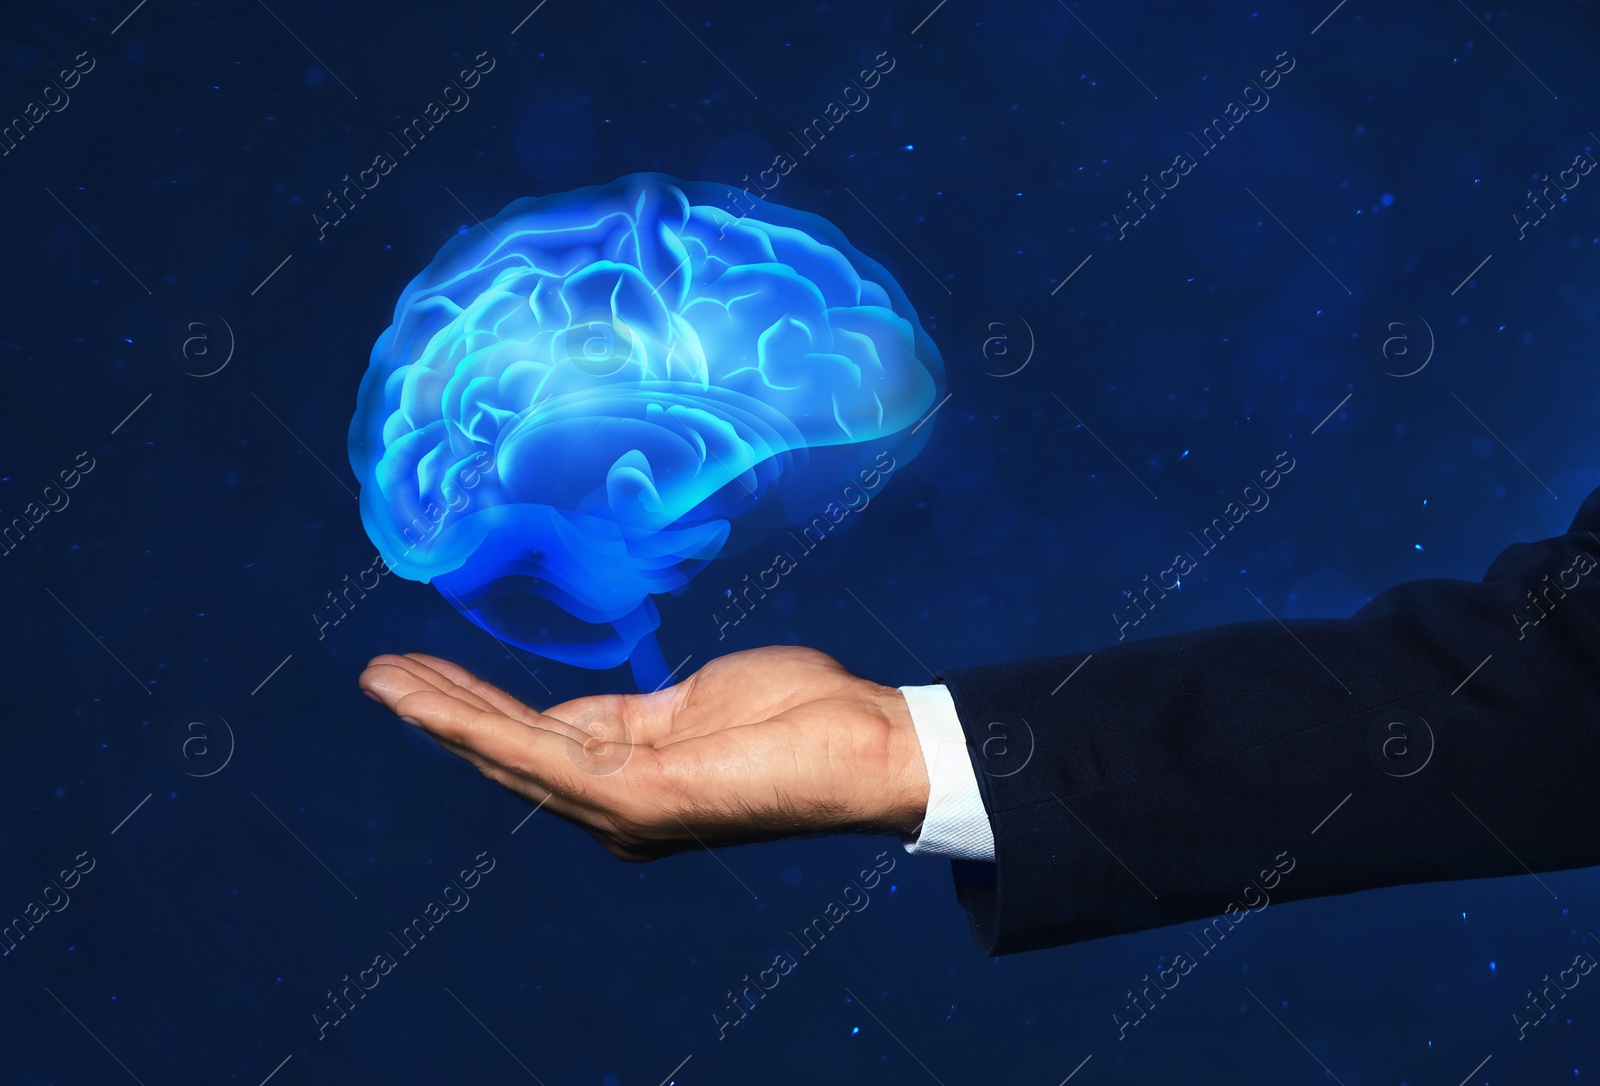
373 696
412 722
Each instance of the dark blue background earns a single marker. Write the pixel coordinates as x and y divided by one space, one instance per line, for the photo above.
997 150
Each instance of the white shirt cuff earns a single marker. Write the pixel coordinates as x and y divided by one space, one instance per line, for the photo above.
956 825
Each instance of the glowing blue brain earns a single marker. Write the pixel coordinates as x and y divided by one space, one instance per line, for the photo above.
583 401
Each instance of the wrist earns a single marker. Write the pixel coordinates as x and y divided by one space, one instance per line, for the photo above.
902 804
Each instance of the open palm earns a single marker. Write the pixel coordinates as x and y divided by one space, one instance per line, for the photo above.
759 744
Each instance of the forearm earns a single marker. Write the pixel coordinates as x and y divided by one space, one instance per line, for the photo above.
1169 773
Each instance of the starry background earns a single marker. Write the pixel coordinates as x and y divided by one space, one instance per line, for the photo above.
1370 203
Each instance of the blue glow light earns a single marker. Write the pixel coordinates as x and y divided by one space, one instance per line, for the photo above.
586 399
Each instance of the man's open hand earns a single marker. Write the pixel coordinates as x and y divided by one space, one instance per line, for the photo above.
760 744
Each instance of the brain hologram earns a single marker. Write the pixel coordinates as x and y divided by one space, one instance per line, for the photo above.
586 399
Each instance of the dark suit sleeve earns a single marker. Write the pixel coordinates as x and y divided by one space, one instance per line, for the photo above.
1440 733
